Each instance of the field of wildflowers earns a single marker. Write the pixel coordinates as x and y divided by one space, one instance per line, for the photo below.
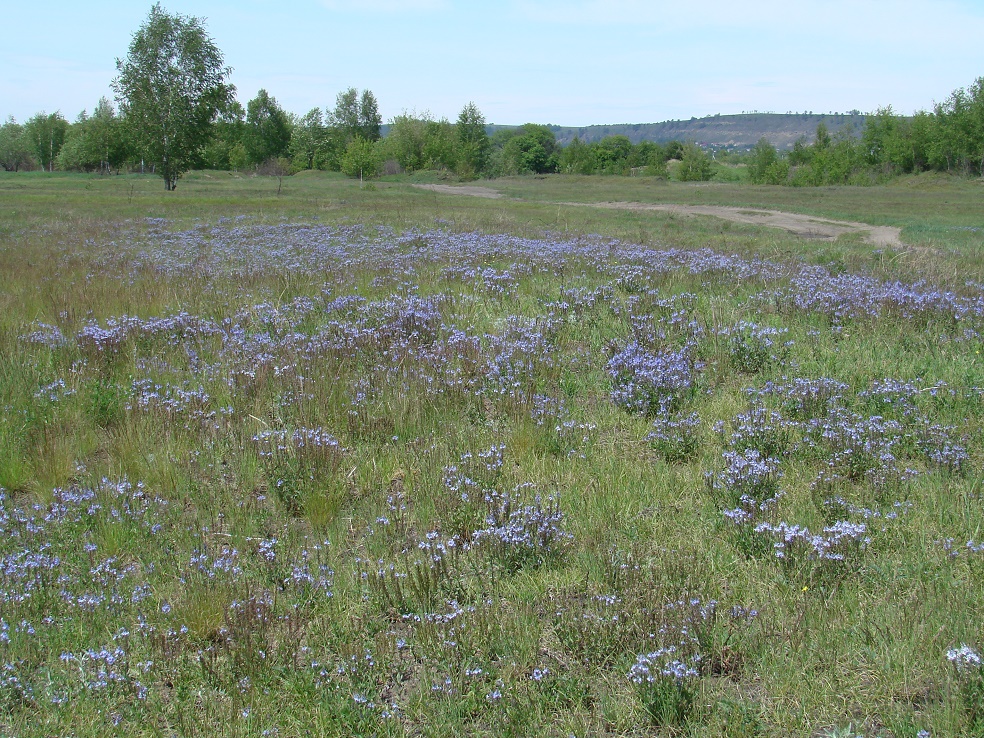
309 476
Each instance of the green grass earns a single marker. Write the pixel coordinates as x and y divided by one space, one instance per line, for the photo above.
176 561
936 213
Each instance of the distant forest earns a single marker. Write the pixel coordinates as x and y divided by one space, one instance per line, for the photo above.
792 149
716 132
350 137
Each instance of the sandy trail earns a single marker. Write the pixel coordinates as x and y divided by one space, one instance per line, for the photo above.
805 226
471 190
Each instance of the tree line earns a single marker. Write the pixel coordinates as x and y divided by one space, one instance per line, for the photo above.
177 111
949 138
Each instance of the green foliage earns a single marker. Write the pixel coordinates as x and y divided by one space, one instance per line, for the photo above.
969 678
695 165
674 150
171 88
777 173
880 132
369 118
657 168
821 141
739 719
15 152
909 150
362 159
307 141
834 161
419 142
45 135
950 138
353 117
267 132
407 141
107 402
668 702
612 155
473 142
225 149
578 158
174 66
765 166
345 117
96 142
237 157
960 129
530 149
650 158
441 149
77 155
801 153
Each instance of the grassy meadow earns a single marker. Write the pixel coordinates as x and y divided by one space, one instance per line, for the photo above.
302 457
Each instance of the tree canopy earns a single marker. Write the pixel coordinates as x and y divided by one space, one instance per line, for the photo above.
15 153
94 142
473 140
529 149
177 111
268 129
45 134
171 87
695 164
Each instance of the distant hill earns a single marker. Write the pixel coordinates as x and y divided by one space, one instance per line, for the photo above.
720 131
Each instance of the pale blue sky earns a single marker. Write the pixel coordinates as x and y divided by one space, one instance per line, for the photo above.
570 62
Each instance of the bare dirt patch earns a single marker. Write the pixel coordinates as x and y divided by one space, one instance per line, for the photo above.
470 190
804 226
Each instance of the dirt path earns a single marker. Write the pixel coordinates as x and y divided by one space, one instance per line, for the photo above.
471 190
805 226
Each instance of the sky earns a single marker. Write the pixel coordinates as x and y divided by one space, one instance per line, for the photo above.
564 62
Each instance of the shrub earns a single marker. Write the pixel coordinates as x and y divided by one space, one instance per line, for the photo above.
521 533
676 437
666 684
753 348
649 383
970 684
361 159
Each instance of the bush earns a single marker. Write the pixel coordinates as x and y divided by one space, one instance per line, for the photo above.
666 685
695 166
651 384
361 159
970 683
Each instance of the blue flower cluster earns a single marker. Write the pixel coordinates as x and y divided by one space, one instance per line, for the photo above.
652 383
